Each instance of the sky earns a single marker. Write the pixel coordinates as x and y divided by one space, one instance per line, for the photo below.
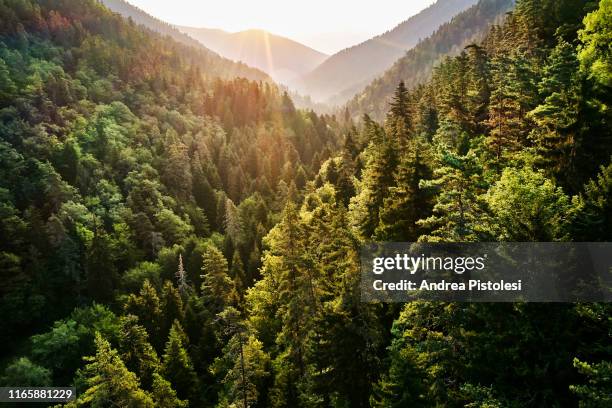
325 25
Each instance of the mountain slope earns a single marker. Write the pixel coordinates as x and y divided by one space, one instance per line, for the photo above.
363 62
283 59
416 66
226 68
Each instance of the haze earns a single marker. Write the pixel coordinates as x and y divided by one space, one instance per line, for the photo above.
327 26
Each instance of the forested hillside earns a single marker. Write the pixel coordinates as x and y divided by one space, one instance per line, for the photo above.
416 66
170 240
121 157
282 58
218 66
356 66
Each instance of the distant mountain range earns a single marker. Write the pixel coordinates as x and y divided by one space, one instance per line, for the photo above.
351 69
416 66
218 65
283 59
363 75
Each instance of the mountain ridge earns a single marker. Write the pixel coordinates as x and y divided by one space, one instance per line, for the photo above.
230 68
416 66
345 69
284 59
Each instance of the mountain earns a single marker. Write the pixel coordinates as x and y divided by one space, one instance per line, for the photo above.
416 66
362 63
283 59
225 67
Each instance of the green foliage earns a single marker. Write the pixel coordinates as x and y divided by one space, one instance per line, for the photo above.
24 373
163 394
593 221
528 207
458 212
110 381
596 37
598 391
222 226
177 366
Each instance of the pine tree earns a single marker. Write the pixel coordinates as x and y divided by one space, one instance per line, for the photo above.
136 351
592 219
146 305
458 212
238 275
504 124
373 188
407 202
243 365
177 366
171 306
478 88
556 118
288 277
181 279
110 382
163 394
218 290
399 122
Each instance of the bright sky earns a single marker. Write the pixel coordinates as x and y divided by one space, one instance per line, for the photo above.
326 25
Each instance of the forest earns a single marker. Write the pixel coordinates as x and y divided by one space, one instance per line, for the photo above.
171 237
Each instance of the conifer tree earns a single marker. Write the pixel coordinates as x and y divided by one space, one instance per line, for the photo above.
218 290
171 306
373 187
243 365
164 396
147 306
407 202
504 123
110 382
177 366
458 212
399 122
592 219
556 118
136 351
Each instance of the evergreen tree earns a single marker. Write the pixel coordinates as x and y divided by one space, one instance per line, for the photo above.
177 366
147 306
244 364
110 382
136 352
163 394
373 187
458 212
218 290
407 202
504 122
592 220
172 307
399 123
556 133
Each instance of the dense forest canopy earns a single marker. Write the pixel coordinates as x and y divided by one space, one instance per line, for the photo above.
171 240
416 66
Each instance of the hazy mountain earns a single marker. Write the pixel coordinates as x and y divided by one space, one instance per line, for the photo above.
361 63
218 65
416 66
283 59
